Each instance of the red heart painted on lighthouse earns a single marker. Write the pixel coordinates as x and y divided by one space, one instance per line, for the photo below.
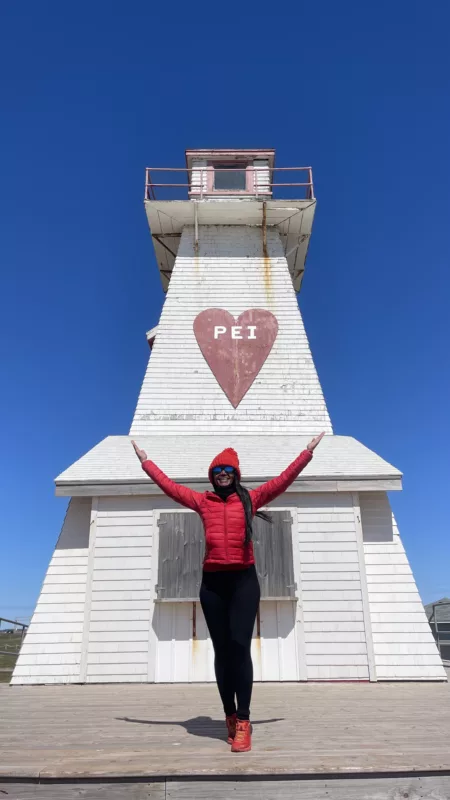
235 350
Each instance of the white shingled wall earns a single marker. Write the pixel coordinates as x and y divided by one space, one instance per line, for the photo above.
103 625
331 591
403 643
96 619
180 394
51 652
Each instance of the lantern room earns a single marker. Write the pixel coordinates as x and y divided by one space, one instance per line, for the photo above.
230 173
230 187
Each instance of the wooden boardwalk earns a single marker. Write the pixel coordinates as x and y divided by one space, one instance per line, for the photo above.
172 736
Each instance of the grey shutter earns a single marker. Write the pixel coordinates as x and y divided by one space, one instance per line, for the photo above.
273 555
181 548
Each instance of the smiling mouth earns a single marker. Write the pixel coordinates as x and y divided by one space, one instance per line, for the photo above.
224 479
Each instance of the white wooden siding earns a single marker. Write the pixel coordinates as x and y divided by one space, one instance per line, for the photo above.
331 593
262 175
110 628
199 176
120 604
179 394
51 652
403 643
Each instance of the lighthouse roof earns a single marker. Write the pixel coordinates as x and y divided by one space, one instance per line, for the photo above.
340 464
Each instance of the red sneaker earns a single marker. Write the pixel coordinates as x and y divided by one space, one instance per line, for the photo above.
231 726
243 740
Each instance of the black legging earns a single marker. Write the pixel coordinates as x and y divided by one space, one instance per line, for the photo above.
230 603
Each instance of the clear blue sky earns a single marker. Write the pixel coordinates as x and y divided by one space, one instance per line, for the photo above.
91 93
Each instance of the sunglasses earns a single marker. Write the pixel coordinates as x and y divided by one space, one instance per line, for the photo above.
218 470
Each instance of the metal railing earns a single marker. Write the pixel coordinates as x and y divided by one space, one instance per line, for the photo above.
23 626
261 179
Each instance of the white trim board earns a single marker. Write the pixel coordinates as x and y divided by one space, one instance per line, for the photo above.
106 489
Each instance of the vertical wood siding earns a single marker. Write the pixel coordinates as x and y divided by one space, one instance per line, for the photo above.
51 652
181 549
403 643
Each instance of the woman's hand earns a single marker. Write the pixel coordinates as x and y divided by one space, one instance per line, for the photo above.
314 442
141 454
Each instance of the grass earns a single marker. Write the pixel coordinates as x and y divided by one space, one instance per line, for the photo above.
8 641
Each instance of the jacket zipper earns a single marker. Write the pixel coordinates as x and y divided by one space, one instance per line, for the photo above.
225 532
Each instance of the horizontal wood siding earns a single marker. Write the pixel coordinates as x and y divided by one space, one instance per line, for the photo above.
262 175
51 652
121 591
334 630
403 643
179 394
199 176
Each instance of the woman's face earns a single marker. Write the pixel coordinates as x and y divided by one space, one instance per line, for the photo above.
223 476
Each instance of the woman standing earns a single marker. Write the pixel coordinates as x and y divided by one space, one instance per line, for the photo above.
230 593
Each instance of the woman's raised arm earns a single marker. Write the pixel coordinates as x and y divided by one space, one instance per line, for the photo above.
181 494
269 491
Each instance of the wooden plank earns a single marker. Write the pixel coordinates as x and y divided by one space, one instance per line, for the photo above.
423 788
63 555
130 541
120 646
62 570
123 564
120 574
329 581
65 599
119 595
120 552
339 558
52 583
155 730
155 790
121 586
325 594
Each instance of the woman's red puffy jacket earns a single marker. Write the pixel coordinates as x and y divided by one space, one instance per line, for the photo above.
224 520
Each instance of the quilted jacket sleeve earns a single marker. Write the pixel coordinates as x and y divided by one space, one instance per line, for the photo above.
269 491
181 494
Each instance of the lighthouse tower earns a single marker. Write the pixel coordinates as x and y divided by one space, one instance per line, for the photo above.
230 365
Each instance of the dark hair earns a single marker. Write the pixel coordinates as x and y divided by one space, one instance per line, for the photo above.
244 497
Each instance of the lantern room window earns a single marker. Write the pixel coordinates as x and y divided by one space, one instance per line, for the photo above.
230 177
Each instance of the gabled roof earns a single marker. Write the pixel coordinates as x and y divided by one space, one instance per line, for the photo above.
442 612
186 459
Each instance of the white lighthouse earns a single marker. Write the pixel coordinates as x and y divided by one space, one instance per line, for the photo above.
230 366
